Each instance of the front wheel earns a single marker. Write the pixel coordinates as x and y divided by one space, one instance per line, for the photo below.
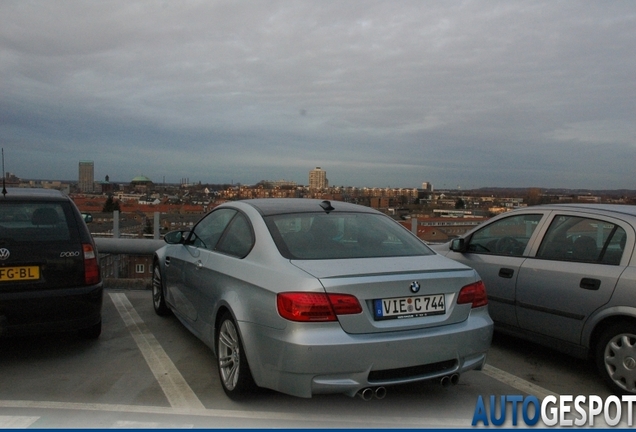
616 357
158 298
234 371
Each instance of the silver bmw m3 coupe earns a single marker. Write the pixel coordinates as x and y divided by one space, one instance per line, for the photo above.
307 297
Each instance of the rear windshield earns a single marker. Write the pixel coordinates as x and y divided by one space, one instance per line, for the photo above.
342 235
35 221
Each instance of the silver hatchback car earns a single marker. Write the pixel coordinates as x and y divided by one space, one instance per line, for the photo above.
306 297
562 276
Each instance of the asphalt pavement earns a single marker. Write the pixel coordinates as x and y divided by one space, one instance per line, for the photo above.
147 371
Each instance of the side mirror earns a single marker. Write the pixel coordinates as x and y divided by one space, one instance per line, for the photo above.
458 245
176 237
88 218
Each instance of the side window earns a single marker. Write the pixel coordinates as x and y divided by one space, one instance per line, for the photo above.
238 239
572 238
207 232
508 236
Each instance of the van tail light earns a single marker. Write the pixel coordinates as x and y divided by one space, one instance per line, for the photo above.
474 293
91 266
306 306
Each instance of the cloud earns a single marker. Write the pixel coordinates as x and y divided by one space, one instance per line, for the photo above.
610 131
477 93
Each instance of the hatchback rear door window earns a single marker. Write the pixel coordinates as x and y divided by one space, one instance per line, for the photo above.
574 238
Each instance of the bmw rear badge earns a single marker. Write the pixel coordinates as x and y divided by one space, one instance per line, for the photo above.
415 287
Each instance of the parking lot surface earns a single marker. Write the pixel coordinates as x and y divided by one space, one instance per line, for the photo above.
146 371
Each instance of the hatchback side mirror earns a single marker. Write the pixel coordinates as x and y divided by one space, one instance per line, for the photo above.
458 245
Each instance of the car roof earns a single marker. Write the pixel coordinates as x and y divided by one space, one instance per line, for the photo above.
274 206
629 210
34 194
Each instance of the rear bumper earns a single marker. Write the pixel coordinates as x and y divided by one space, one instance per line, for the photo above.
306 359
50 310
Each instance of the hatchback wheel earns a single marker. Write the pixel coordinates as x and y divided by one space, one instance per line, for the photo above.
158 299
616 357
234 371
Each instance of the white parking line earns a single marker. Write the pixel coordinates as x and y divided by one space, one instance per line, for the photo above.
17 422
538 391
125 424
353 421
516 382
175 387
273 416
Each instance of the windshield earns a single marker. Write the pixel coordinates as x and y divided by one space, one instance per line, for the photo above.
342 235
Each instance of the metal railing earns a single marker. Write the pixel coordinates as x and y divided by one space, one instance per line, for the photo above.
128 246
116 246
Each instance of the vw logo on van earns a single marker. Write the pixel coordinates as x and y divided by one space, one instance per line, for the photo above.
4 253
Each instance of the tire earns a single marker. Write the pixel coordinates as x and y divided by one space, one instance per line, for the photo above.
92 332
158 298
616 357
234 372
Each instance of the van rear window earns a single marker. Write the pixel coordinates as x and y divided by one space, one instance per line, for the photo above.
34 222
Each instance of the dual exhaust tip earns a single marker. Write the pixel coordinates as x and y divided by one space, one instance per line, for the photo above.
369 393
449 380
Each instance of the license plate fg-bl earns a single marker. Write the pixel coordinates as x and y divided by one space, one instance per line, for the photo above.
11 274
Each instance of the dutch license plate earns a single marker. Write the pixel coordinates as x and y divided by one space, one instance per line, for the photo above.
409 307
12 274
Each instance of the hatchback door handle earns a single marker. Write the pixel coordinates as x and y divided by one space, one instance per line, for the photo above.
199 265
590 284
506 273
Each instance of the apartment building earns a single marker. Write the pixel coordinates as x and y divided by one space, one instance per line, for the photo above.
318 179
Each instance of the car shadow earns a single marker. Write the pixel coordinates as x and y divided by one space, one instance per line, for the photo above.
42 346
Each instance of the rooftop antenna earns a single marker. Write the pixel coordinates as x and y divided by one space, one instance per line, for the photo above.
326 206
4 189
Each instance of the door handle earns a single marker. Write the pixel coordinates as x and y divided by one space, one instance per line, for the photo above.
506 273
590 284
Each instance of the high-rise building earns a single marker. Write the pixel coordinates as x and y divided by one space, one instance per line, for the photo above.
427 186
86 176
318 179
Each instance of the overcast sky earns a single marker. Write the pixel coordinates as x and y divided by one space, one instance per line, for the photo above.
391 93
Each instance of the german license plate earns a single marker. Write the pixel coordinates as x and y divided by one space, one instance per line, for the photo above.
409 307
12 274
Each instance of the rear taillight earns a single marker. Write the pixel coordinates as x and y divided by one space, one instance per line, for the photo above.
474 293
303 306
91 266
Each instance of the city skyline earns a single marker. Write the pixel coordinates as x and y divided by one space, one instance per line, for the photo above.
384 94
424 186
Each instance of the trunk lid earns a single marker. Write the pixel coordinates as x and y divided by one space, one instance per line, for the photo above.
407 290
